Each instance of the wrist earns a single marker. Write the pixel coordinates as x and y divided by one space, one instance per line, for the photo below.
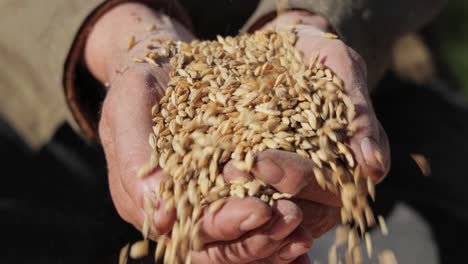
120 34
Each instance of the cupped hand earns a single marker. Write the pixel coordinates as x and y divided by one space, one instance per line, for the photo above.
234 234
370 143
243 230
290 173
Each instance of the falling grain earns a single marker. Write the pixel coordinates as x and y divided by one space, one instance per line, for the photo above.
383 225
123 256
139 249
422 163
368 240
387 257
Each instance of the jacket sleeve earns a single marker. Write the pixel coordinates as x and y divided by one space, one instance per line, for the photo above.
35 39
368 26
84 94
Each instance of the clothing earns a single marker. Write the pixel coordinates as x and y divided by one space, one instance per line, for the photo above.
36 37
43 42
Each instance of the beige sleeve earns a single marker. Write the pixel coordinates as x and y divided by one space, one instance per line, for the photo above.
36 36
41 53
83 93
370 27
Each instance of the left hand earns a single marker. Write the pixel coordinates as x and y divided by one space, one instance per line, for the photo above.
288 172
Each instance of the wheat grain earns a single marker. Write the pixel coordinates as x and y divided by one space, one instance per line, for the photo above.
139 249
422 163
383 225
123 256
131 43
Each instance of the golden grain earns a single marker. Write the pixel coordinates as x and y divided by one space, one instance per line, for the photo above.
139 249
387 257
383 225
131 43
422 163
123 256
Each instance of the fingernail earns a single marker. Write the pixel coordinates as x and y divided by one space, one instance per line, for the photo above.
250 223
281 227
268 170
292 251
372 154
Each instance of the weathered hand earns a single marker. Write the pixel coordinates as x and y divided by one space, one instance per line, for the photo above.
291 173
234 234
369 143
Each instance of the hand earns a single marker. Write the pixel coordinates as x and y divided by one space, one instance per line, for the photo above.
370 140
236 233
291 173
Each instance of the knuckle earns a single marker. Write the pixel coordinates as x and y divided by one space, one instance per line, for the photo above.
255 248
219 254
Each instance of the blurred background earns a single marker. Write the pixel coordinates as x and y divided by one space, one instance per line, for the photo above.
451 36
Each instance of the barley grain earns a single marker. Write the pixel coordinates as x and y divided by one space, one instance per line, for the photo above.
123 256
383 225
131 43
422 163
139 249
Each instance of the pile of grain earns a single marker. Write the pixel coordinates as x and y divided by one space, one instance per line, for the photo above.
231 99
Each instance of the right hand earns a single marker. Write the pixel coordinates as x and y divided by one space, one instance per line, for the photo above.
243 230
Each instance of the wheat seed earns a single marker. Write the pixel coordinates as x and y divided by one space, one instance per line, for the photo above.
139 249
422 163
123 256
131 43
383 225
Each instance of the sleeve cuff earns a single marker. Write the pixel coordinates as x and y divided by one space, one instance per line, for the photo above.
83 93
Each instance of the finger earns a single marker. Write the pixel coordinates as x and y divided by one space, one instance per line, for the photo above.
257 244
236 217
291 173
318 218
295 245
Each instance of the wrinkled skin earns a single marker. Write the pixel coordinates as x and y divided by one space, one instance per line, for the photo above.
243 230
